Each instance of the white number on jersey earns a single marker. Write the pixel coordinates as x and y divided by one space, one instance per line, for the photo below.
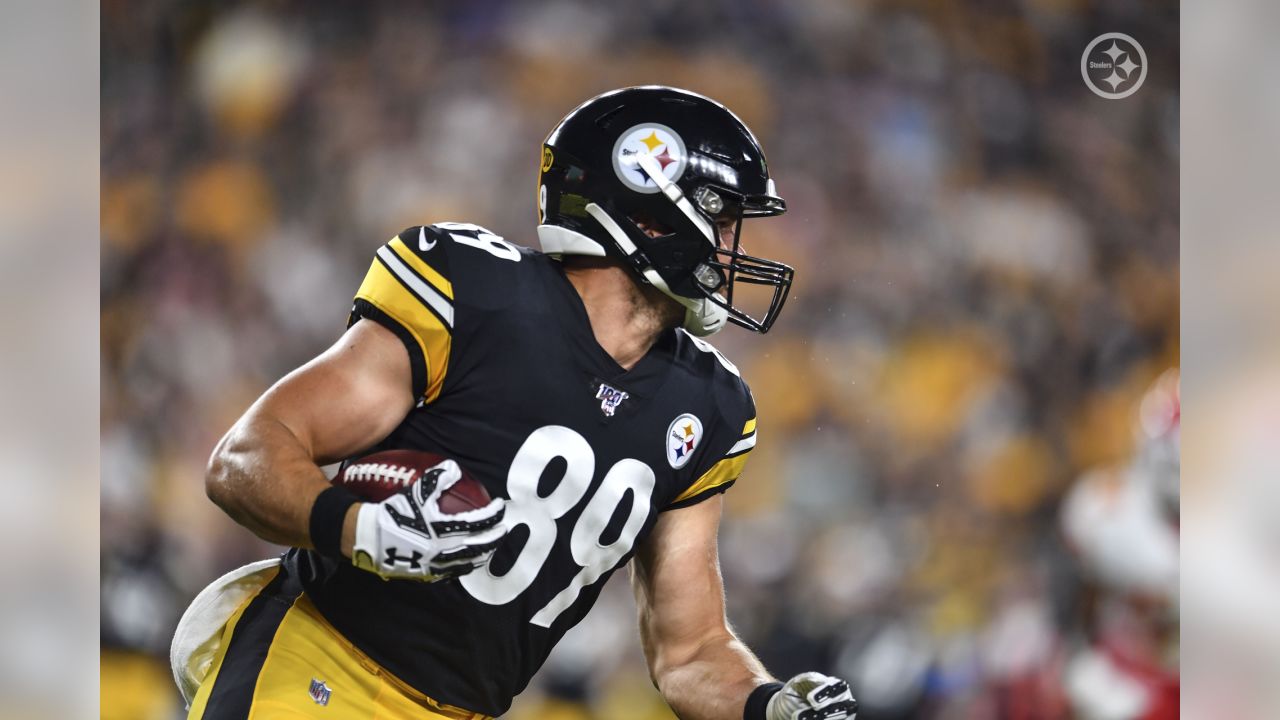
539 515
707 347
478 237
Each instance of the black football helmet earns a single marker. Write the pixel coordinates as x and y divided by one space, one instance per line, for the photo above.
678 164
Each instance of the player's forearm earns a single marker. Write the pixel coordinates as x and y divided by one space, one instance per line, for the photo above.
713 682
265 479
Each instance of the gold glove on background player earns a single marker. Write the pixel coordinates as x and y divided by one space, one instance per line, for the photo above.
408 536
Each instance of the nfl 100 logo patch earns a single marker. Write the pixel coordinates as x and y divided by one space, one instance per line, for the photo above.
610 398
319 692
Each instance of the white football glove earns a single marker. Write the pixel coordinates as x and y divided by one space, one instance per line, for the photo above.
812 696
407 536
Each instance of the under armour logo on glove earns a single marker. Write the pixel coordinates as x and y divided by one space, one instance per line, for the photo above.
412 538
413 562
813 696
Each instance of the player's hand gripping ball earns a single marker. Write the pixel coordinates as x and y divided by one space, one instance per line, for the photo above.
425 521
813 696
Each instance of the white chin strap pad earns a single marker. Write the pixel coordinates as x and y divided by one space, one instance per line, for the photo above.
702 317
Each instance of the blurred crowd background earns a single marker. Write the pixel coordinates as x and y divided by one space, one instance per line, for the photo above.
965 495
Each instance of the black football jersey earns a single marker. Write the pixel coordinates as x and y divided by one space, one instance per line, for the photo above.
514 386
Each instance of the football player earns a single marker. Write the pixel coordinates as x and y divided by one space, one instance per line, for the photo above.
574 384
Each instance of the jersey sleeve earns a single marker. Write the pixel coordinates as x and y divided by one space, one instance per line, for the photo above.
407 290
725 466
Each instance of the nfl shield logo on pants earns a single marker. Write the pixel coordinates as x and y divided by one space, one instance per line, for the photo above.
319 692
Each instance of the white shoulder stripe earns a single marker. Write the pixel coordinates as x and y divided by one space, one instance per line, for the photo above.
707 347
744 444
438 302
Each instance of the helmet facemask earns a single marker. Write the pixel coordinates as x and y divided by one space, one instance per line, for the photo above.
732 264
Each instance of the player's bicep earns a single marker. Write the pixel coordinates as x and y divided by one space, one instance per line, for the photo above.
677 583
348 398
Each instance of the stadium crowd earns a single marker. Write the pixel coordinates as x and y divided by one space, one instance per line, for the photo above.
986 265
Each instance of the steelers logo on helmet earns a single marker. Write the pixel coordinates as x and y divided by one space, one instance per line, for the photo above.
682 439
652 140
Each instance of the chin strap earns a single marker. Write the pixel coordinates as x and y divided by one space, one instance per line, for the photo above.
701 317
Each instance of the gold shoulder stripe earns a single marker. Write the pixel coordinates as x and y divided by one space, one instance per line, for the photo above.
385 292
722 472
750 427
410 258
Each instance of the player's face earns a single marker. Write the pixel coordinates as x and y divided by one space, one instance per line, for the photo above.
724 232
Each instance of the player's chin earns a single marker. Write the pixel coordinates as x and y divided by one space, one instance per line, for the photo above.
670 313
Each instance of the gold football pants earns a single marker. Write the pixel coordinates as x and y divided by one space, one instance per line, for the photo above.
280 659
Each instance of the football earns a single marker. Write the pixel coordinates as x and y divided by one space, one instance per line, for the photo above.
378 476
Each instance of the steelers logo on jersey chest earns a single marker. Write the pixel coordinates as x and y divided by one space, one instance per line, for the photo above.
682 439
